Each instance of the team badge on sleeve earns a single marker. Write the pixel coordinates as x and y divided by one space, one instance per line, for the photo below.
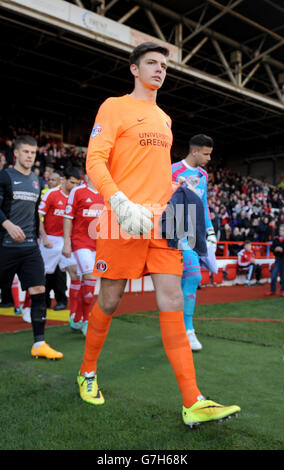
97 129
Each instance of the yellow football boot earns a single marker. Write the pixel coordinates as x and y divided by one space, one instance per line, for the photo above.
207 410
89 389
45 351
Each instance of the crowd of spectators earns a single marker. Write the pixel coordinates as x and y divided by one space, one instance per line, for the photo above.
242 208
52 154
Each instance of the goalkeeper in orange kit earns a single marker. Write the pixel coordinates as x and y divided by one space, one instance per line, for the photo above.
129 163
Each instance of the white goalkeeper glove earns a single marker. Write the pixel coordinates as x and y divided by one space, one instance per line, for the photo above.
133 218
211 238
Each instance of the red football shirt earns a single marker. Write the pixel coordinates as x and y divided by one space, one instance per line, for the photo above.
52 207
244 257
84 208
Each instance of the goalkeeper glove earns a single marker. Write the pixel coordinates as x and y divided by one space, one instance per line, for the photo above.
133 218
211 238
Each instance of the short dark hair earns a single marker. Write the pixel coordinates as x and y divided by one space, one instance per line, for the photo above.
247 242
201 140
25 139
145 47
72 172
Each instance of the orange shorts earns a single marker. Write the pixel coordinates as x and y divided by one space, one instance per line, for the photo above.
134 258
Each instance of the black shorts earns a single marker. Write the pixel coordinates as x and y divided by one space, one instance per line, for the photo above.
26 262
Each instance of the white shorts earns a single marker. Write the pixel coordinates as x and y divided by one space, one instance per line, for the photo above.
85 260
53 256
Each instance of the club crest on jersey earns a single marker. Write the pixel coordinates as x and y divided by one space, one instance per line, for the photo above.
35 184
193 180
101 266
97 129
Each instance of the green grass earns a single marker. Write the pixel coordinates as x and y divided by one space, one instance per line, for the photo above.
240 363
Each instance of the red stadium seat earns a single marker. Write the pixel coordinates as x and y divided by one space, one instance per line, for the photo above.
230 271
258 251
265 271
205 276
218 277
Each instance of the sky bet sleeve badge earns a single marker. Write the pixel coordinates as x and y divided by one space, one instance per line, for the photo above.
97 129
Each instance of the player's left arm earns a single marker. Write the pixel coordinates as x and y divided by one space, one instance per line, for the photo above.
47 243
210 232
15 232
67 229
69 215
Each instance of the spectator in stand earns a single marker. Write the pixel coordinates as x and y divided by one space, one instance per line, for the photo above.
280 219
2 161
44 179
224 216
264 230
242 219
215 219
252 232
236 236
225 233
233 220
247 263
272 228
8 149
277 249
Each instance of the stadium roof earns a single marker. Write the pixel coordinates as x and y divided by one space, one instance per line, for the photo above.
227 81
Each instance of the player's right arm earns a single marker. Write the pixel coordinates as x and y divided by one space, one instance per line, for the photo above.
102 140
15 232
69 215
133 218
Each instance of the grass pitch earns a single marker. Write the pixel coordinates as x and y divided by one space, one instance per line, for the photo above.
241 363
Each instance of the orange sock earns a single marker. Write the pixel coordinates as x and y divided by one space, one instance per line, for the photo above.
98 326
178 351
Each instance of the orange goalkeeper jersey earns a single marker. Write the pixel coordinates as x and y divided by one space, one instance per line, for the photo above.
129 151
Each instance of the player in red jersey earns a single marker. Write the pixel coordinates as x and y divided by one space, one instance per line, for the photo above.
84 207
52 207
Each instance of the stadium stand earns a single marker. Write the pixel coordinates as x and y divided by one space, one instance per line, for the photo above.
52 153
